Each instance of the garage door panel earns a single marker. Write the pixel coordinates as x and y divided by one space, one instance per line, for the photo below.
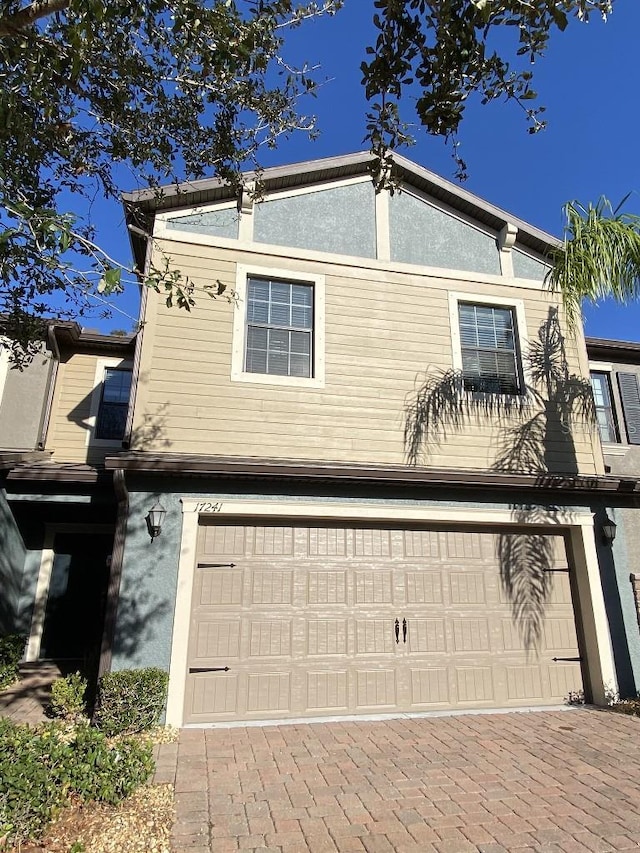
327 542
475 684
268 692
423 587
305 620
327 691
469 635
373 587
426 636
375 637
564 679
218 587
430 687
215 639
326 588
213 696
270 638
467 588
375 689
327 637
271 587
223 540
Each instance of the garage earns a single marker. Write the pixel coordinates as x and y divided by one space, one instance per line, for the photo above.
313 620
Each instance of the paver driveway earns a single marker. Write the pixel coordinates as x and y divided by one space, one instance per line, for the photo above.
544 781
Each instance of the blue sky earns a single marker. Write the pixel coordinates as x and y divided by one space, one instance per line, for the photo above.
588 83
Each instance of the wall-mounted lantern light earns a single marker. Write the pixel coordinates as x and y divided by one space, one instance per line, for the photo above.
155 517
608 530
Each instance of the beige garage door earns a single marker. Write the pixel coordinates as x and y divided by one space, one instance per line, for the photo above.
293 621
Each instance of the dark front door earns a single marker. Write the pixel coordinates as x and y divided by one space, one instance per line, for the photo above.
74 613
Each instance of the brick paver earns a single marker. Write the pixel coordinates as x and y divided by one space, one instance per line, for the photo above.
542 781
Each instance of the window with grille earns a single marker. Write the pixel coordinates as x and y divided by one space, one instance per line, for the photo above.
604 410
490 360
279 338
114 403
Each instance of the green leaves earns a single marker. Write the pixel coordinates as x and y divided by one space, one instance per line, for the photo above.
600 257
171 91
443 45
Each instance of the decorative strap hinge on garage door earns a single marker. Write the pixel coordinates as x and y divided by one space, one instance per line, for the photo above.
560 571
566 659
193 669
216 565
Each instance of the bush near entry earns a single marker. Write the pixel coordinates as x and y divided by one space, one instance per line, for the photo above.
41 768
130 700
11 651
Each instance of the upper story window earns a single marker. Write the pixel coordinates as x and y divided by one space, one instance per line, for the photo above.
111 415
605 416
488 348
279 338
278 332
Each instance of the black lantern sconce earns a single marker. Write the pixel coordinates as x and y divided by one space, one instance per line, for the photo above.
608 529
155 517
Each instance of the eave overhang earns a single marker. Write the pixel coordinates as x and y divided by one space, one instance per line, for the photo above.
184 465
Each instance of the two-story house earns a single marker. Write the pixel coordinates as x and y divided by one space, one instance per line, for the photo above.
377 466
368 483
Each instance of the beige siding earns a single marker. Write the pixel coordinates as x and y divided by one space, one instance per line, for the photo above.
70 426
384 330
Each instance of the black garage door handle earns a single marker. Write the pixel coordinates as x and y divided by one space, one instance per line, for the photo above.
208 669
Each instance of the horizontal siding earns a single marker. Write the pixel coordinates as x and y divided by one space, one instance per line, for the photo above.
384 332
67 436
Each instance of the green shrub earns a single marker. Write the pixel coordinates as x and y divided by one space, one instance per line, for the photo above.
11 651
41 767
31 793
108 770
130 700
68 697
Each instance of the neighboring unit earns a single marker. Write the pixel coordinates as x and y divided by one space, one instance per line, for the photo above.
58 506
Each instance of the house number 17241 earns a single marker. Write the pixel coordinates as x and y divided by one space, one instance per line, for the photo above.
207 506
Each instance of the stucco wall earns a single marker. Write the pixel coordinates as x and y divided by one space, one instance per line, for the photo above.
12 556
22 404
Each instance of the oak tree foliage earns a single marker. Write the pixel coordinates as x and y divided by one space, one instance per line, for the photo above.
99 95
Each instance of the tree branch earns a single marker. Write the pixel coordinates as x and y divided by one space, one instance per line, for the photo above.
30 14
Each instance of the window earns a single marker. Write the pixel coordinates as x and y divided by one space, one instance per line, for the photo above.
488 347
604 409
279 338
278 328
114 403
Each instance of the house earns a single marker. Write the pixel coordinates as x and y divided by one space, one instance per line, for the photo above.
615 374
368 482
59 418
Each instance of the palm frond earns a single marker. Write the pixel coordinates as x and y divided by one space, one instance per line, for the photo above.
600 256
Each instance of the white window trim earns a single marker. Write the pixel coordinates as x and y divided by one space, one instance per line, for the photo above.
96 395
600 367
238 373
522 343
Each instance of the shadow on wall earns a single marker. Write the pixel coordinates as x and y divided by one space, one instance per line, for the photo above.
12 556
145 605
151 433
534 437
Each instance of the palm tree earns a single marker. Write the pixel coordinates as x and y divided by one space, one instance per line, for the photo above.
600 256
